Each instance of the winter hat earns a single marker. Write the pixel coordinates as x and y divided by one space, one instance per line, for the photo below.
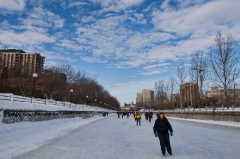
161 113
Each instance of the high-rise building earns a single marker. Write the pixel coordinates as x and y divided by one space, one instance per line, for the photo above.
188 94
146 97
26 62
31 62
9 58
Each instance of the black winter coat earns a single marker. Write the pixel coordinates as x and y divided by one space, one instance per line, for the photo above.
162 126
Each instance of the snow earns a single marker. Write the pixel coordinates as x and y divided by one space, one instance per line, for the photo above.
223 123
22 137
115 138
218 109
42 107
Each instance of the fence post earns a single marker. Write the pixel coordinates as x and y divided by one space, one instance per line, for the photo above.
32 100
11 97
1 116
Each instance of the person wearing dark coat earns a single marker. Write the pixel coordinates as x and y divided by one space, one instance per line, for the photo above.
161 129
150 114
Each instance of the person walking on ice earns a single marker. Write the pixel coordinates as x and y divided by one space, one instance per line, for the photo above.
138 118
161 129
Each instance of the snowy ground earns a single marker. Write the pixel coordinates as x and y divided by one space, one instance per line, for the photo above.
113 138
23 137
28 106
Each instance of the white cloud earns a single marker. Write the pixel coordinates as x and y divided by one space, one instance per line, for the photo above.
26 38
94 60
73 4
117 5
155 69
87 19
13 5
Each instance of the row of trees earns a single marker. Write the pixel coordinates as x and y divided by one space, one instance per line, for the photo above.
55 83
218 67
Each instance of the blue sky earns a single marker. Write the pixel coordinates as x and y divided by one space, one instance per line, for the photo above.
130 44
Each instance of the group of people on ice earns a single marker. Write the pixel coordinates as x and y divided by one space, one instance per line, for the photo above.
161 128
124 114
148 116
105 114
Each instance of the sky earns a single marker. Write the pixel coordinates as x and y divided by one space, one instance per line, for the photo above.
129 44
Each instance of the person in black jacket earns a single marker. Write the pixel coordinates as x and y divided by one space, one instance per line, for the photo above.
160 129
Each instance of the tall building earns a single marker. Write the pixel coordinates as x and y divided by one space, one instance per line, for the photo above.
188 94
31 62
146 97
18 59
9 58
234 94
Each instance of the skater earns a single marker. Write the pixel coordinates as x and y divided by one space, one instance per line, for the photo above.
138 118
118 114
150 116
160 129
157 115
146 115
122 114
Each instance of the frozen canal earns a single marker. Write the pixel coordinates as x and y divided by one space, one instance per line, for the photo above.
113 138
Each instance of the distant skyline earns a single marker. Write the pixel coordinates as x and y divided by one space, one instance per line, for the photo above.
130 44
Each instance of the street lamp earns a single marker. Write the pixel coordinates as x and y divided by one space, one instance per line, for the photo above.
71 91
35 75
86 99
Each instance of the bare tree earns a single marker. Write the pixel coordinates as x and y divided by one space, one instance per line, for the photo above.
181 73
172 85
161 94
198 72
223 61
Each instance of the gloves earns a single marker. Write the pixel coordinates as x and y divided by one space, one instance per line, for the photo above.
171 133
155 133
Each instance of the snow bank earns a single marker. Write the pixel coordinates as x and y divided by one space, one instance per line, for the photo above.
223 123
29 106
23 137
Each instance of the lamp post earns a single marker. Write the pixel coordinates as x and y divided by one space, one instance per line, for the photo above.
71 91
35 75
86 99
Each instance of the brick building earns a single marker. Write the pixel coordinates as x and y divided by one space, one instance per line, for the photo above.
234 95
188 94
19 59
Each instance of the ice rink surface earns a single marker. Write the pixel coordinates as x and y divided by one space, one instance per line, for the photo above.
113 138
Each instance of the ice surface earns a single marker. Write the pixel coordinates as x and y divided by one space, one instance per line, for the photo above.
113 138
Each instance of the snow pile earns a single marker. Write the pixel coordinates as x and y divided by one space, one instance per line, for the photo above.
28 106
23 137
223 123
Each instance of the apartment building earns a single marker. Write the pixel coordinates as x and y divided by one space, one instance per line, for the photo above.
146 97
19 59
188 94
